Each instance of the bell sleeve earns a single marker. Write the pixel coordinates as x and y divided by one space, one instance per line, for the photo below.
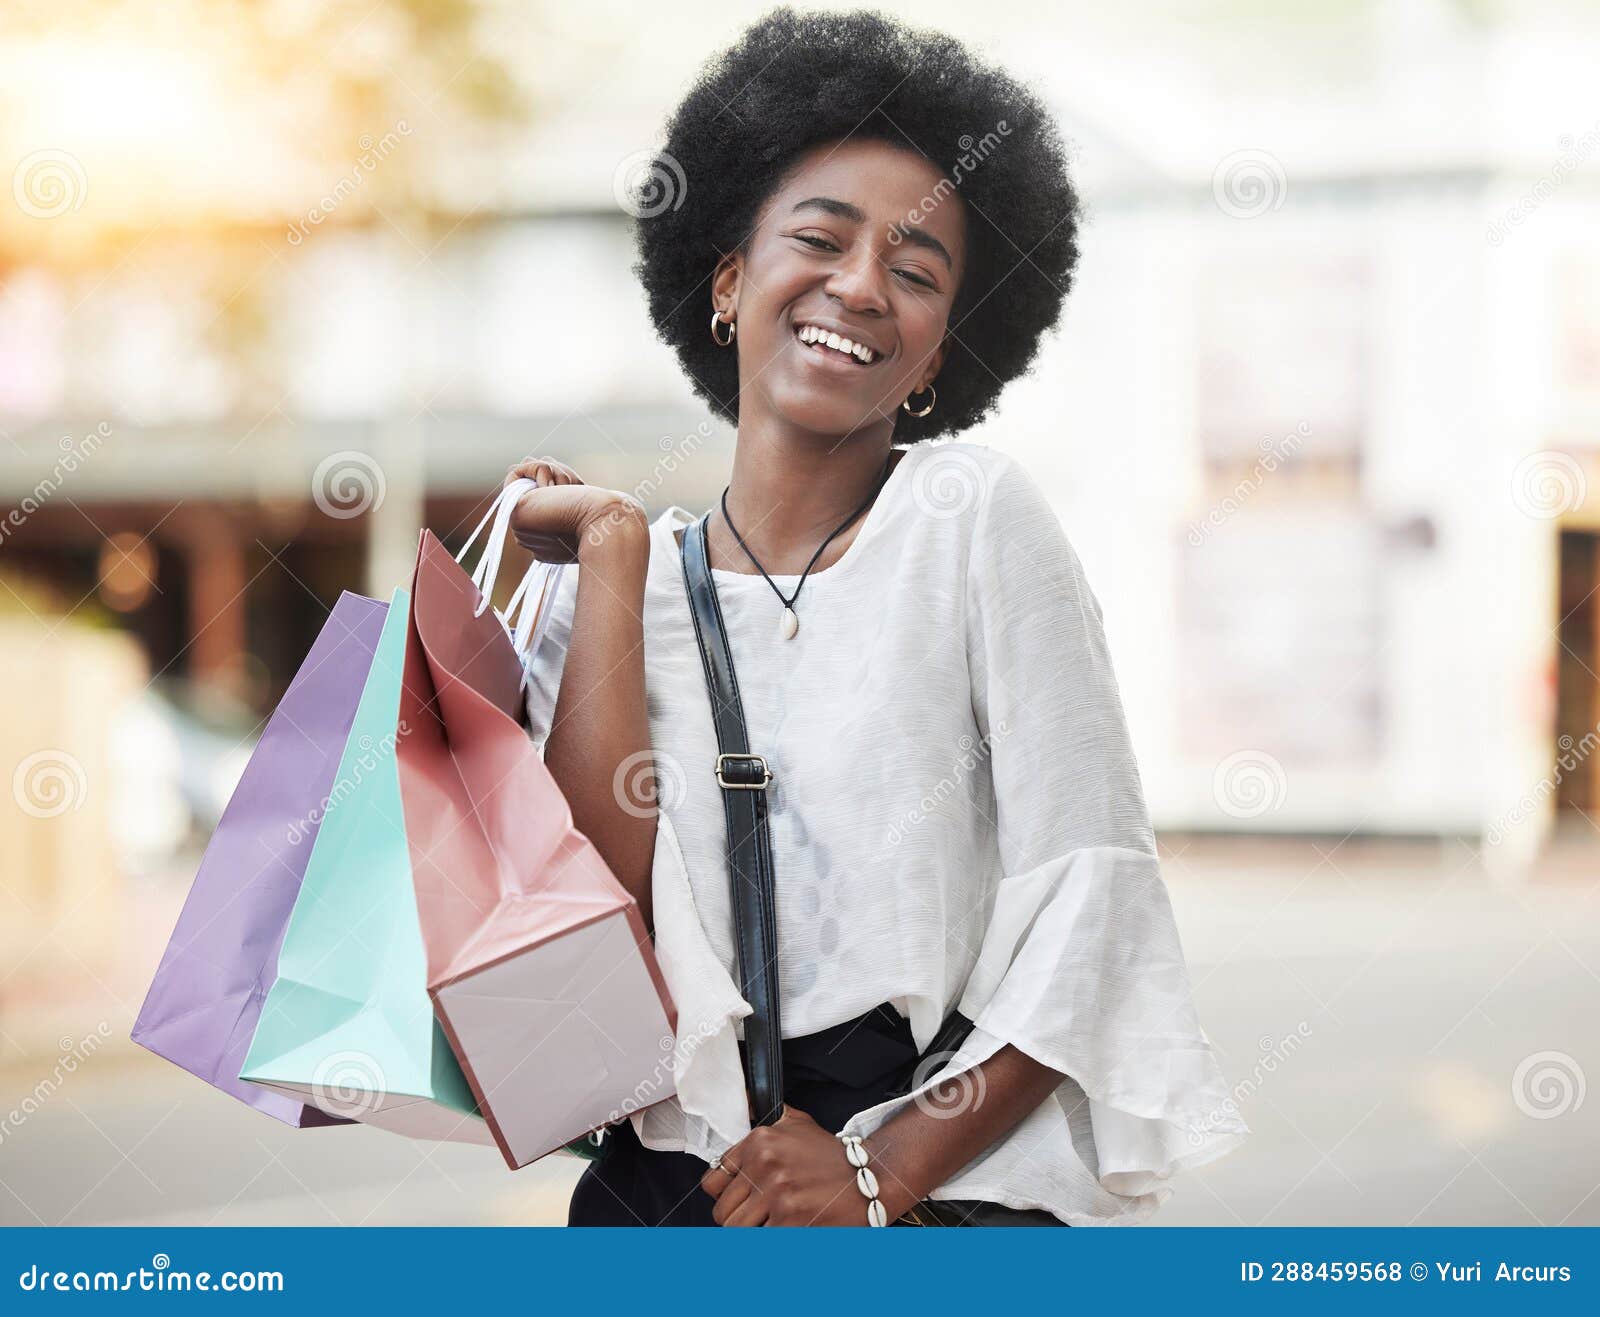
1080 965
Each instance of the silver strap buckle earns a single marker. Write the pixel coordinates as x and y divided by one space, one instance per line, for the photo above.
757 760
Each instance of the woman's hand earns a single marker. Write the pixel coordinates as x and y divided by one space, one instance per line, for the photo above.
795 1173
790 1173
555 520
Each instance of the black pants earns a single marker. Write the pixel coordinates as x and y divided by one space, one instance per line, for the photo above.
829 1075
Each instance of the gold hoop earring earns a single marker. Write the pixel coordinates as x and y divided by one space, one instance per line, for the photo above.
935 398
716 317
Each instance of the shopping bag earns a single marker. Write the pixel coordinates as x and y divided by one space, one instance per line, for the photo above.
538 962
348 1026
206 996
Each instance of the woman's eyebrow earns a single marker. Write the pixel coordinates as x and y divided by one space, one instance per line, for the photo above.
833 206
845 210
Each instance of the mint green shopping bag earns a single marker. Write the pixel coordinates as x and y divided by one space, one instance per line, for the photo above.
348 1026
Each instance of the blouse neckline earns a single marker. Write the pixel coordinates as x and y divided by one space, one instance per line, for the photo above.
676 517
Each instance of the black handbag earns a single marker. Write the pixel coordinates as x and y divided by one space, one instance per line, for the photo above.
743 777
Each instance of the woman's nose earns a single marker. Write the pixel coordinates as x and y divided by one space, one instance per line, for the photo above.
859 283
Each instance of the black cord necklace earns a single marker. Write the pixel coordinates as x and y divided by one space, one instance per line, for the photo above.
788 624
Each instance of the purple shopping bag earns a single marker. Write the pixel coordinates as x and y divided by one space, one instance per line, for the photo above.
203 1005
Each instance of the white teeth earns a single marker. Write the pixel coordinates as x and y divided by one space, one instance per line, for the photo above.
813 334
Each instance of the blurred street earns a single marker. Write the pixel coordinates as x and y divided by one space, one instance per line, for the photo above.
1416 997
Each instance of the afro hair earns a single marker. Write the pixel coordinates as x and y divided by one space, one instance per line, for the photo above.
797 79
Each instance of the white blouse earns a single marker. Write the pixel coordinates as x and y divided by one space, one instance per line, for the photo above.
956 819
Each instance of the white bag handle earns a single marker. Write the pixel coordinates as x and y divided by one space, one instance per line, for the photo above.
500 510
536 592
537 606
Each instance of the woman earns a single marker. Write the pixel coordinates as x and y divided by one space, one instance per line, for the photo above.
873 233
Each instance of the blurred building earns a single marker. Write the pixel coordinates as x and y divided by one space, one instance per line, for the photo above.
1322 419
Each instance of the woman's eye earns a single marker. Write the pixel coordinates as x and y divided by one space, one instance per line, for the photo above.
822 244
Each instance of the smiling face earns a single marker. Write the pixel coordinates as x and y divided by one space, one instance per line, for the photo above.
848 250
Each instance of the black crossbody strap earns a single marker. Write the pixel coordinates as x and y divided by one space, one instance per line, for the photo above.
743 777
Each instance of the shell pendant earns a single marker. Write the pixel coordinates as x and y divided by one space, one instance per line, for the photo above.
788 624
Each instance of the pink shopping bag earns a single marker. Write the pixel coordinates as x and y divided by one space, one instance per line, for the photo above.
539 966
